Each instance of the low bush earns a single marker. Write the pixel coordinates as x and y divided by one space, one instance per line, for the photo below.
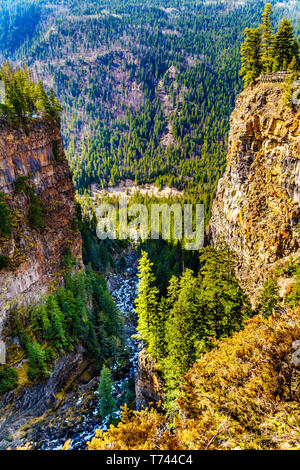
4 261
5 218
8 380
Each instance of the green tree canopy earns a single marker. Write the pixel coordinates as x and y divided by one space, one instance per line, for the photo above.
25 98
107 403
264 51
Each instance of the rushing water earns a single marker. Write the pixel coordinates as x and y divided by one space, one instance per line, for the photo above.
123 288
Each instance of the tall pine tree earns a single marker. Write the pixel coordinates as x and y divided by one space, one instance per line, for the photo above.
147 301
267 38
283 48
107 403
251 55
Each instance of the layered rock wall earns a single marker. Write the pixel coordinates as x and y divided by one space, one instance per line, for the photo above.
256 209
35 150
149 383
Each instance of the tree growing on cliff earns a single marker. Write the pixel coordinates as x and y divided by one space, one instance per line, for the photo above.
47 106
251 55
57 323
285 46
5 218
269 299
267 38
226 306
37 358
8 379
107 403
25 98
36 212
264 51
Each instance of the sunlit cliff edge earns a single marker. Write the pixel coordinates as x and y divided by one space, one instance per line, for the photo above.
257 205
32 161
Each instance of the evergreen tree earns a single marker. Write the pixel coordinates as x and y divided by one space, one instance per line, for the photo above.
43 105
37 359
158 344
202 308
107 403
264 51
5 218
68 306
36 213
147 301
55 107
40 321
8 380
181 329
290 79
225 304
57 323
269 298
93 343
251 56
283 47
24 98
267 38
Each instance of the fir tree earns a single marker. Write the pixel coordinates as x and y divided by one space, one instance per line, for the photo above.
269 298
55 107
5 218
57 323
267 38
43 105
251 56
159 344
24 98
40 321
288 83
182 327
283 47
107 403
147 301
264 51
37 358
225 305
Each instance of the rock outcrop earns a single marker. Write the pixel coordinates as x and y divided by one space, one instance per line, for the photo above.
35 151
20 410
256 209
149 383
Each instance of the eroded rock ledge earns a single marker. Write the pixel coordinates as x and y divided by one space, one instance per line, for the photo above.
149 383
35 150
256 209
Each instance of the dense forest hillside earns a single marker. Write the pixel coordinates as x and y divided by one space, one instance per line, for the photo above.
147 88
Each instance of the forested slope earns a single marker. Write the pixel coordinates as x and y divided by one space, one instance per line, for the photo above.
147 88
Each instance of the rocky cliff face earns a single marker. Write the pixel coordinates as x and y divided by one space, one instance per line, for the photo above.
19 411
149 383
256 209
35 151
